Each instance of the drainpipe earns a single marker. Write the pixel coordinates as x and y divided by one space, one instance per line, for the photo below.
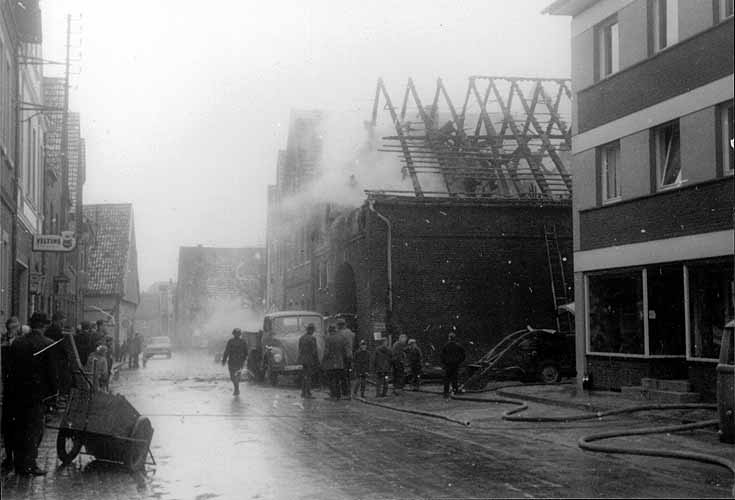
371 205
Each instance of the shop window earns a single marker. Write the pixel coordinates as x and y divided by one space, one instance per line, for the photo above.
616 313
727 120
667 145
609 161
726 8
665 23
666 330
710 306
608 47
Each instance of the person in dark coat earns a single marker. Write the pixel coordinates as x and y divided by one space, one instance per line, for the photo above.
55 332
236 352
136 347
308 359
399 363
361 368
452 355
382 365
31 381
414 358
85 342
349 336
12 331
335 352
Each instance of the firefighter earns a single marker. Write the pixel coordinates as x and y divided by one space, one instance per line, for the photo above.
236 352
452 355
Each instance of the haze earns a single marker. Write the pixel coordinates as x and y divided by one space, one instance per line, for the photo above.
185 104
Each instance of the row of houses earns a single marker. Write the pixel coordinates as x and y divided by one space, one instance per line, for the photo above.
56 254
644 237
40 189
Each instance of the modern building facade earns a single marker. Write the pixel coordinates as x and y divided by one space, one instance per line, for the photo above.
653 187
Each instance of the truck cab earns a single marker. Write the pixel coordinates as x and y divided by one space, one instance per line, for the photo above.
279 342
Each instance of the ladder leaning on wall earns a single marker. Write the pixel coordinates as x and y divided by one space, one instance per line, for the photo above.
557 278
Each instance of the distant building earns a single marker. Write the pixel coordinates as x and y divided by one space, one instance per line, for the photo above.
653 189
112 292
218 289
155 314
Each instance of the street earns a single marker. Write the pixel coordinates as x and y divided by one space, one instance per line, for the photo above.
270 444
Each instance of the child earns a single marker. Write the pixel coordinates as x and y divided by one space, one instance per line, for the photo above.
383 361
97 367
361 367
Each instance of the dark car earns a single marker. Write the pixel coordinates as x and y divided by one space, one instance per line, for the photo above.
527 355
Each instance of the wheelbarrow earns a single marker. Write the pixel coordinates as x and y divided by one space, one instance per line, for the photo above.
104 425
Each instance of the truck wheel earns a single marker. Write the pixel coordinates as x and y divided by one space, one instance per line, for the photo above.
68 446
549 373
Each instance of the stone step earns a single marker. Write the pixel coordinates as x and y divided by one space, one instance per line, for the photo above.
659 396
658 384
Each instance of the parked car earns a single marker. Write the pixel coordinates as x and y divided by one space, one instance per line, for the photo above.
528 355
157 346
279 342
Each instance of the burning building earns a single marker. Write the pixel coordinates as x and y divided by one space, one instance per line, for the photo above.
476 238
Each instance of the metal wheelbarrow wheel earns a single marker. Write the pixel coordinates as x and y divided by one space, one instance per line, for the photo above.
68 445
137 451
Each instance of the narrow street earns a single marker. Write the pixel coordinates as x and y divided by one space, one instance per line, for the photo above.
269 444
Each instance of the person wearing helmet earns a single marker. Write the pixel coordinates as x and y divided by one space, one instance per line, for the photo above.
236 352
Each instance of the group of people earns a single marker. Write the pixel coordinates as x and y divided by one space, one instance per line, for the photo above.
347 369
38 371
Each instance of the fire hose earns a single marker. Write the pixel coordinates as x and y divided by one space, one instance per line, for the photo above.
588 442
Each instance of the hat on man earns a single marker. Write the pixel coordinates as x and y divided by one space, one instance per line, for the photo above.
58 316
86 325
310 327
341 322
411 341
38 319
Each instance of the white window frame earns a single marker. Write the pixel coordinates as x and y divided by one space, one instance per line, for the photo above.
688 325
608 47
724 115
604 168
646 335
666 32
723 7
662 153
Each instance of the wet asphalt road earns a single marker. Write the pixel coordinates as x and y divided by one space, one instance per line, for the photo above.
269 444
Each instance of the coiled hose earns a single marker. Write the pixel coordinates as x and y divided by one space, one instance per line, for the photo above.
586 442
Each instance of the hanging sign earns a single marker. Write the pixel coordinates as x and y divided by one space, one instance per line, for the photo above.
65 242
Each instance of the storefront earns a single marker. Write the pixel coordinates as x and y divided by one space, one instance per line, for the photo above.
662 320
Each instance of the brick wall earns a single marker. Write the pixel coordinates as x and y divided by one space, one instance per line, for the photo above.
697 209
611 373
475 266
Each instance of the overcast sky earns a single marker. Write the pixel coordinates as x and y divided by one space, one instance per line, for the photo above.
184 104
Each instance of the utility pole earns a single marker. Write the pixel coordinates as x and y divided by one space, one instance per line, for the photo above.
64 151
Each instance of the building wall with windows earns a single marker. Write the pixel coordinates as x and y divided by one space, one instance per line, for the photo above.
653 187
8 172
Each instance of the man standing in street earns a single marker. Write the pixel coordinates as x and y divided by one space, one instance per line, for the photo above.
335 352
236 352
136 346
308 359
12 331
349 336
55 332
382 368
452 355
415 363
31 381
399 363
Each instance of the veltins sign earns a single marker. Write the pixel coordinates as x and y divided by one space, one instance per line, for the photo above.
65 242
